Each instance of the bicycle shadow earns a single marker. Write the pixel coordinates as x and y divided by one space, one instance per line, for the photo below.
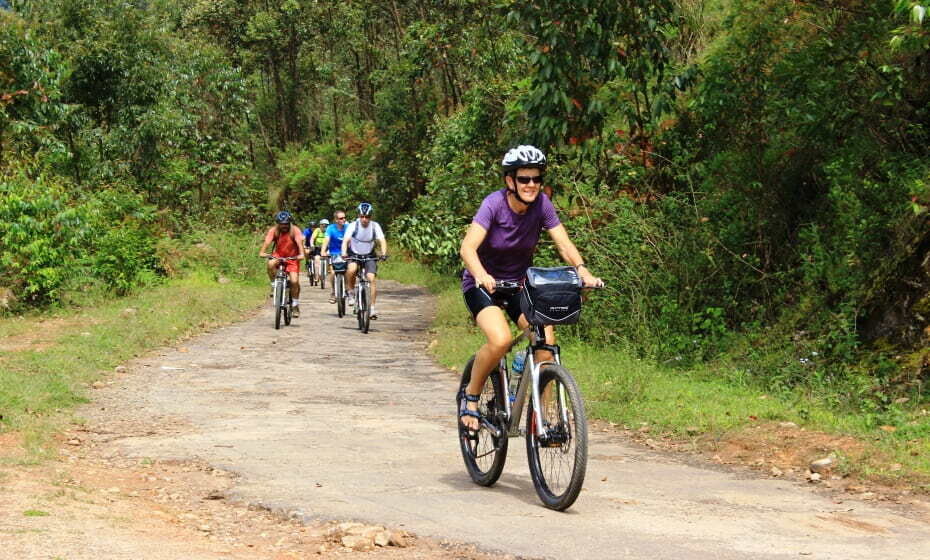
512 485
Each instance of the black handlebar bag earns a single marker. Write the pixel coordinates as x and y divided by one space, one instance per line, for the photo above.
551 296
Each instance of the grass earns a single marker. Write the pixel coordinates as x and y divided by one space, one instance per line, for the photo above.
35 513
709 403
61 353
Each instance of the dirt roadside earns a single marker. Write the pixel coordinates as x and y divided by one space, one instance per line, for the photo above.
93 503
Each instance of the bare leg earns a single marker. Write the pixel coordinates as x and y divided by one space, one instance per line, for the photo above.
350 275
295 284
374 290
493 323
272 267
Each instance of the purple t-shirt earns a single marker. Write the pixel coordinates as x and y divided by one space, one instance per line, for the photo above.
508 249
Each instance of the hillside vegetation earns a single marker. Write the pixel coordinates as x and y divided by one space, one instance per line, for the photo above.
749 176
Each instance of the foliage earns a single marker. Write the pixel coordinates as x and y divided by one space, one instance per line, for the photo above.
749 176
39 236
621 44
460 177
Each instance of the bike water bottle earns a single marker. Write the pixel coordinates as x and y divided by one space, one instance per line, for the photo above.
516 372
519 362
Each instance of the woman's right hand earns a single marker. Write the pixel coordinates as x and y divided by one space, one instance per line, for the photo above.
488 283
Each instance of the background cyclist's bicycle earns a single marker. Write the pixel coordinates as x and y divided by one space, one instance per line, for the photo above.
281 293
363 291
324 264
312 277
339 285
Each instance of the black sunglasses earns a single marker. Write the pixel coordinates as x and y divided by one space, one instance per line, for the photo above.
524 180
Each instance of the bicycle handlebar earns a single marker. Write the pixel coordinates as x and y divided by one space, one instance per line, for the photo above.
357 258
279 258
509 285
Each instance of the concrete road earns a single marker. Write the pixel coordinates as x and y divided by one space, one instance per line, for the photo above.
325 422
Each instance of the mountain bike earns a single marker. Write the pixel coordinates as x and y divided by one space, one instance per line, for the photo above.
556 428
281 293
339 285
363 291
324 263
312 277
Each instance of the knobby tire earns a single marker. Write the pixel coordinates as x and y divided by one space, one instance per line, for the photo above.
363 307
484 454
278 297
558 470
340 295
287 305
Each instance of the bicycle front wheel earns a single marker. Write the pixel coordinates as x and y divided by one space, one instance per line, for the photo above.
278 301
483 452
363 307
340 295
558 456
322 274
287 306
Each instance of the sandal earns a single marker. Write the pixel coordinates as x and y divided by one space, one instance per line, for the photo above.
467 411
332 299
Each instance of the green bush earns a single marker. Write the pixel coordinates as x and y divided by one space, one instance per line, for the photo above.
41 237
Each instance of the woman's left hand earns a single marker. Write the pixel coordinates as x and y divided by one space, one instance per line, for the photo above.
590 281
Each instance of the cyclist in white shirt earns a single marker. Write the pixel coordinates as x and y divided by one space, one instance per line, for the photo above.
360 238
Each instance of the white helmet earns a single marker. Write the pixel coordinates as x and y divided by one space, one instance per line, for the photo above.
524 156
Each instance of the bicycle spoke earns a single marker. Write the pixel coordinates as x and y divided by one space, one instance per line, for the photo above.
484 454
558 453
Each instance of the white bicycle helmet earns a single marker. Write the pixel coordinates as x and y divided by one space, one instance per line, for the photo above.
324 222
524 156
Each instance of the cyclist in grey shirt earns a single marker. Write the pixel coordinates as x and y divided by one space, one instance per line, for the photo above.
360 239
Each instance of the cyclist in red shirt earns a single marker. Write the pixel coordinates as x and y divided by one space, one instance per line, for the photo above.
288 242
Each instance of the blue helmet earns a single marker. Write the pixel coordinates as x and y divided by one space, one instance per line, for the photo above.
365 209
283 217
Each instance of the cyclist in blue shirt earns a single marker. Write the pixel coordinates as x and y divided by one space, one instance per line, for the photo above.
332 245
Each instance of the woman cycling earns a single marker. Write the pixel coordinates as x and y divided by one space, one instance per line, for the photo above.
313 238
499 245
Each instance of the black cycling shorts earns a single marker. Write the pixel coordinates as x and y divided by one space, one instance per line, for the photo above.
478 298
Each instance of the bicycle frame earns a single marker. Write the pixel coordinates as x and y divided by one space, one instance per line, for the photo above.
360 275
514 411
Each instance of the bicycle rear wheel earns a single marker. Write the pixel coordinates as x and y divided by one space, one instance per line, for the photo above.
558 457
484 454
363 307
278 300
340 294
